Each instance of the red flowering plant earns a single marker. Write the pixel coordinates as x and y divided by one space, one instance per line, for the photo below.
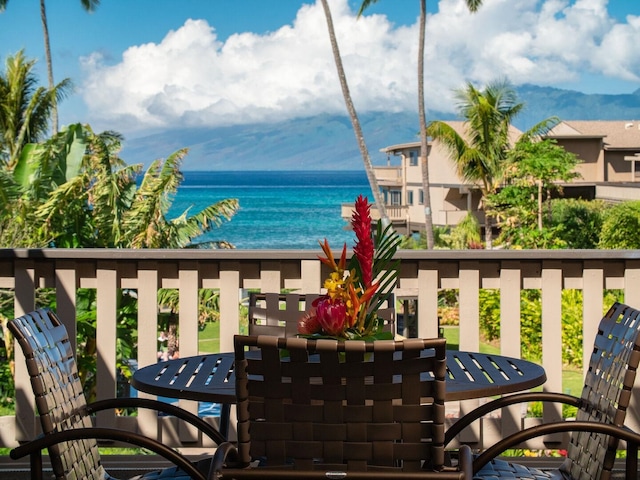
357 289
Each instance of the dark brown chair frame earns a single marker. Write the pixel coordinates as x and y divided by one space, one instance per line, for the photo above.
333 409
66 418
602 407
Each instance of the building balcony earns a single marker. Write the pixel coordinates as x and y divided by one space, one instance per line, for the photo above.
389 176
396 213
230 273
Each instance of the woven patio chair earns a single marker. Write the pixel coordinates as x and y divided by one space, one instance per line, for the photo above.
278 313
65 416
339 409
602 408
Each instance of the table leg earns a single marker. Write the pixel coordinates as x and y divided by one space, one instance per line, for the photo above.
225 412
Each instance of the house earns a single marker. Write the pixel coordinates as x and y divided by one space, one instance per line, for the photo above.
609 152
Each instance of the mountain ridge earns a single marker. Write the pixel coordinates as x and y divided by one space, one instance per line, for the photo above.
327 141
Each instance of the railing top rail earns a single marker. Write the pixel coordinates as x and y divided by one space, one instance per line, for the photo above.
310 254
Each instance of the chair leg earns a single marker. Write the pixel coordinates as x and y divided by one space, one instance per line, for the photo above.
632 460
35 461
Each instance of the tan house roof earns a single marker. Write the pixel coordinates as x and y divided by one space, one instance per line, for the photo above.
459 127
617 134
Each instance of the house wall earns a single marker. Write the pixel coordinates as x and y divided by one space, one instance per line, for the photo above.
618 169
591 156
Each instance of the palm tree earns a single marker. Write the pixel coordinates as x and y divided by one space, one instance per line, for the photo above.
74 191
373 182
482 157
89 6
24 107
473 6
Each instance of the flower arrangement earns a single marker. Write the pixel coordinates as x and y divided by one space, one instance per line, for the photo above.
357 289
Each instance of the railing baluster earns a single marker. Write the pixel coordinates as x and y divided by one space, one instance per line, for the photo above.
148 282
106 313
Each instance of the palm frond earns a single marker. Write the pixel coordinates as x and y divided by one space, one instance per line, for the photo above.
385 267
365 4
186 228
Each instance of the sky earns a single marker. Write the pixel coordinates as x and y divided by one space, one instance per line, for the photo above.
150 65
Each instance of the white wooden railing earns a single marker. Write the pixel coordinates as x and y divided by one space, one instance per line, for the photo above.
423 274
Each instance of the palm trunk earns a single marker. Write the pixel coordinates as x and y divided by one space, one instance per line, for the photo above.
172 338
488 231
373 183
424 159
47 54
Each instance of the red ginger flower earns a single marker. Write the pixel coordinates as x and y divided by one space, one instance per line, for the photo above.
363 249
331 315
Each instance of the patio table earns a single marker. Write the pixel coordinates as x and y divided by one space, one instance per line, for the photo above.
210 378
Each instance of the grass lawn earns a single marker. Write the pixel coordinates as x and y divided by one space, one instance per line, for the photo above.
209 338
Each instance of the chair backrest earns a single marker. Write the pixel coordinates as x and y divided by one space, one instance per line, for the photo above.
606 393
60 401
341 405
278 313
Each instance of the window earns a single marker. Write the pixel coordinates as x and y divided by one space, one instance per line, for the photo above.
410 197
413 158
421 197
396 197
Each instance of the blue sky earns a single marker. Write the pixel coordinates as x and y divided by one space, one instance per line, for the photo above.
146 65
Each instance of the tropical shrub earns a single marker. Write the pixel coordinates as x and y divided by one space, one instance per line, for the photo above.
621 227
578 222
531 321
466 234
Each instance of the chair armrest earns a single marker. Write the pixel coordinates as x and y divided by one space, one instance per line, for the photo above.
621 433
226 456
465 461
502 402
157 405
35 446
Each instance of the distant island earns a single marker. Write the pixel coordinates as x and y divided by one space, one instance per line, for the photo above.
326 142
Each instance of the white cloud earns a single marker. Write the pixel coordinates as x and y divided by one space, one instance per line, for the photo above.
193 79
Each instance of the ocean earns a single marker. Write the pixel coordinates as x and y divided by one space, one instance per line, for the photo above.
278 209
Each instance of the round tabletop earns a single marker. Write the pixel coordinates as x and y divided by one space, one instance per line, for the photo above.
210 377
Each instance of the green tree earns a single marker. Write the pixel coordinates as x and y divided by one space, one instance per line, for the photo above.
102 206
74 191
621 227
473 6
531 176
353 115
89 6
578 222
24 107
482 156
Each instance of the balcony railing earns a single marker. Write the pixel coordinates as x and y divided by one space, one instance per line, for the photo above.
396 213
231 272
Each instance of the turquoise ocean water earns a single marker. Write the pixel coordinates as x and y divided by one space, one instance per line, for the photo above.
278 209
